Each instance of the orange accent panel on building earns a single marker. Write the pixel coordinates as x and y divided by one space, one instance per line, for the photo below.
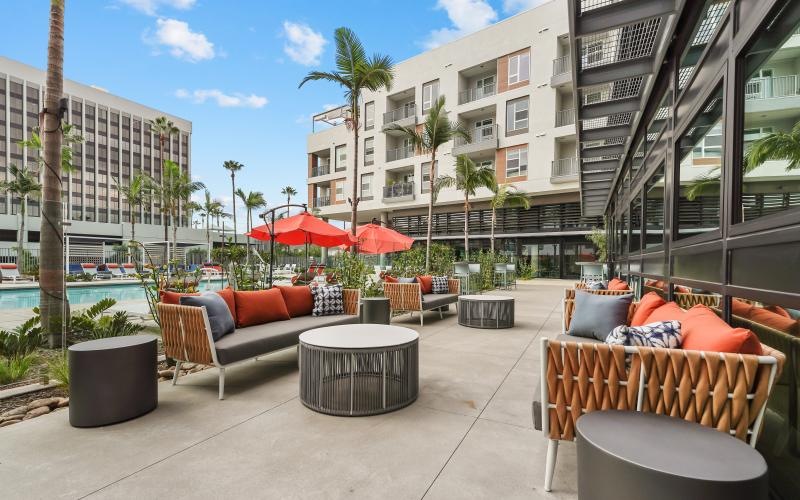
311 188
500 165
312 162
502 72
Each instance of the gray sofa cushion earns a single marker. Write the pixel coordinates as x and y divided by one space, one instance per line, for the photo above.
220 318
436 300
246 343
596 315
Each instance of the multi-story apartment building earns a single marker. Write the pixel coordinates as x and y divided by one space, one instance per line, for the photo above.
118 144
510 85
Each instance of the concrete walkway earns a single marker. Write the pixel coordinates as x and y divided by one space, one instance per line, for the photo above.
469 435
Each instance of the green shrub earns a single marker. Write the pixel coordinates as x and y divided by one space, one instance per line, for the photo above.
58 371
15 369
487 260
90 324
526 270
412 262
22 340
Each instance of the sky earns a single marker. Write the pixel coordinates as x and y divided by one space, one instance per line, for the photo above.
232 67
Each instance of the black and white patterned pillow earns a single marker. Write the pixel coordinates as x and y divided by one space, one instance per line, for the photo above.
439 284
665 334
328 300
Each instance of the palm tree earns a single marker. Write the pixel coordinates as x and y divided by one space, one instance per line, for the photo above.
233 167
136 193
436 131
355 72
288 192
176 190
52 299
24 185
503 195
469 177
210 210
165 129
252 201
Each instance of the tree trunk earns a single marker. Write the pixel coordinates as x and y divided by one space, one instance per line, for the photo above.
131 248
23 209
163 198
466 227
494 221
208 237
430 213
175 243
233 192
355 199
51 262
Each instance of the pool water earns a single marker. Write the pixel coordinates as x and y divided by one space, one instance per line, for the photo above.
28 298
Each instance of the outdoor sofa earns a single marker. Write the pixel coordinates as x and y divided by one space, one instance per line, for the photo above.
410 298
726 391
186 334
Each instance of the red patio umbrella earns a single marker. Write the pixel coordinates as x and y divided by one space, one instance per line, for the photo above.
376 239
302 229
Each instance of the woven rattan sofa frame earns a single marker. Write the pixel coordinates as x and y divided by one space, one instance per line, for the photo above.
407 297
186 335
652 380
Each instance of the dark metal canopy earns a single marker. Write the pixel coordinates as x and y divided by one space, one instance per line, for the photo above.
617 48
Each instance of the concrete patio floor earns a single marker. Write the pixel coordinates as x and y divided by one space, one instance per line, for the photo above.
469 435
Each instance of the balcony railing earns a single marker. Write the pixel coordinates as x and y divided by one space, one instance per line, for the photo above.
470 95
400 153
322 201
398 114
561 65
565 167
772 87
480 137
565 117
320 170
398 190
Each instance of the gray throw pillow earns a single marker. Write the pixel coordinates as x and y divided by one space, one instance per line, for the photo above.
219 316
596 315
406 280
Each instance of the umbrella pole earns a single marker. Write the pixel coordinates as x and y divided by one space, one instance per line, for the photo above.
271 247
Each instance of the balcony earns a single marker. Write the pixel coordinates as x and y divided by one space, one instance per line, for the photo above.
397 192
405 116
772 87
482 139
400 153
320 170
562 71
322 201
564 170
565 117
474 94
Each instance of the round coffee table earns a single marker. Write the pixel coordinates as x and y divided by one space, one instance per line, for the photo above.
658 457
486 311
357 370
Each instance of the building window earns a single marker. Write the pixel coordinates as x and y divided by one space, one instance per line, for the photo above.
770 182
654 210
484 129
369 151
517 162
700 169
517 115
425 174
636 224
339 186
430 93
519 68
485 163
369 115
341 158
366 186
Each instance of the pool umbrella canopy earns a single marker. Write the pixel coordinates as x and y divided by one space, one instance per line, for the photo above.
302 229
376 239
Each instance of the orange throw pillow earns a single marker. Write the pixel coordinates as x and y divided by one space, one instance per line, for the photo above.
259 307
668 312
425 283
173 298
740 308
649 303
617 284
772 320
779 310
392 279
298 299
228 297
703 330
682 289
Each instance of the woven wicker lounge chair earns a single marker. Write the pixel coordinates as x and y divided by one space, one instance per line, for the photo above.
408 298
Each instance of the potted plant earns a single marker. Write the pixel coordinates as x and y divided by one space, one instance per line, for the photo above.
353 272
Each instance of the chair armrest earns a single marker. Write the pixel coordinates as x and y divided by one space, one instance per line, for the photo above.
454 286
184 333
351 297
403 296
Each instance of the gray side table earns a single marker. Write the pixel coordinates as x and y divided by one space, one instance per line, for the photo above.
624 455
358 370
112 380
486 311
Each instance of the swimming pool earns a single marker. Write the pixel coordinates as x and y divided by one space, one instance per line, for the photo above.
28 298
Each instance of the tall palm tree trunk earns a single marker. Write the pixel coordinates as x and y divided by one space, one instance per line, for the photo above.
163 201
430 213
174 239
233 201
133 234
354 198
466 227
52 299
23 209
494 221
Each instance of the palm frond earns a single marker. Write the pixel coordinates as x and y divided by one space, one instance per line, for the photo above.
704 185
349 51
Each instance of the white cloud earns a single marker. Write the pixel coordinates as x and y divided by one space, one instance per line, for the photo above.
467 16
303 44
182 42
223 100
150 7
514 6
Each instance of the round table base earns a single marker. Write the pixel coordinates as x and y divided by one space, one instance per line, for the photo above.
486 313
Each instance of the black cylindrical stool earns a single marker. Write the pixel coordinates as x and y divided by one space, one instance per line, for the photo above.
112 380
633 455
375 310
